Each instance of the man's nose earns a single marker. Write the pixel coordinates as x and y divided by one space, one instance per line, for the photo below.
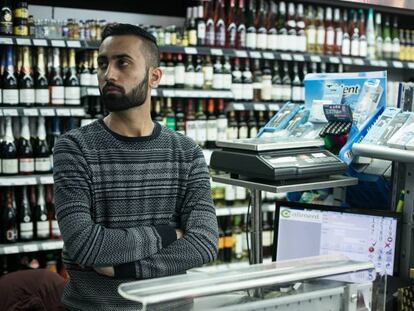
110 73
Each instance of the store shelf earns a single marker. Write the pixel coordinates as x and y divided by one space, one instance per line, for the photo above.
182 93
241 210
256 106
46 42
27 247
42 111
26 180
383 152
226 266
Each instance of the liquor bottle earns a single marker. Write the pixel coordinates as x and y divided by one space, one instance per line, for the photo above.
296 85
228 240
25 82
169 115
246 236
9 80
261 37
363 43
72 84
236 83
94 69
9 218
379 41
157 113
354 34
221 121
232 129
395 39
338 31
226 74
54 135
329 33
346 41
201 124
190 121
208 73
40 81
201 25
241 28
231 25
304 73
409 45
310 31
277 89
220 26
57 90
41 149
387 45
251 32
6 18
210 25
238 239
252 124
266 91
179 72
281 28
42 223
25 150
243 130
211 125
170 72
291 29
25 218
198 74
300 29
192 28
272 37
286 83
247 81
320 31
9 161
371 35
218 75
257 80
266 237
179 117
403 46
189 74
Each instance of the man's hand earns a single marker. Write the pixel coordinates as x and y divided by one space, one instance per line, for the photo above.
107 271
179 233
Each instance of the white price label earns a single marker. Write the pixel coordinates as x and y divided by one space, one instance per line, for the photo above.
10 112
23 41
383 63
238 107
239 53
374 63
286 57
268 55
77 112
27 181
46 180
11 250
255 54
359 61
30 112
52 245
190 50
47 112
92 91
73 44
259 107
216 52
334 60
154 92
63 112
347 61
228 94
298 57
397 64
315 59
4 40
168 93
30 248
39 42
58 43
1 112
179 93
274 107
410 65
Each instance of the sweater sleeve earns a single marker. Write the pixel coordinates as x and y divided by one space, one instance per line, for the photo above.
199 243
88 243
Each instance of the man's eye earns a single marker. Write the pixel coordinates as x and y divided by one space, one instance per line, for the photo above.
102 65
123 63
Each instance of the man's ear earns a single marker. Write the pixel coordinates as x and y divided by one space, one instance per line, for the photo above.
155 77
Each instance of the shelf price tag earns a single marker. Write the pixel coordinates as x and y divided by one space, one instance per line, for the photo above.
286 57
315 59
268 55
298 57
255 54
410 65
4 40
190 50
225 94
52 245
63 112
23 41
383 63
30 112
168 93
259 107
238 107
359 61
10 250
58 43
346 60
374 63
274 107
30 248
240 53
92 91
77 112
334 60
397 64
10 112
216 52
39 42
73 44
46 180
47 112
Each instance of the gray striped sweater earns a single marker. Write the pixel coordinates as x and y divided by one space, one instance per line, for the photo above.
118 202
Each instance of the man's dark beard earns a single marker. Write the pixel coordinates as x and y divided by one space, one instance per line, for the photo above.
120 102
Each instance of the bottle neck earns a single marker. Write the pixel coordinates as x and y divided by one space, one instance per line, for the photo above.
41 131
9 137
25 134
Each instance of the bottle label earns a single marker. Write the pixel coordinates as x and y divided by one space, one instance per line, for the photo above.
339 36
283 40
169 76
27 96
251 39
267 238
247 91
10 97
179 74
199 80
330 37
192 37
42 229
387 47
311 36
26 230
72 95
296 93
218 81
355 47
302 43
42 96
222 128
287 92
261 40
277 92
55 229
266 92
201 132
363 48
379 48
227 81
10 166
94 79
253 132
396 47
57 94
208 73
210 36
26 165
229 193
346 46
241 36
237 89
239 245
42 164
241 194
321 36
220 33
189 78
243 132
232 34
85 79
191 129
201 31
212 130
272 41
232 133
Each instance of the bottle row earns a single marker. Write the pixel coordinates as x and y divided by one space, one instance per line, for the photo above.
27 143
27 214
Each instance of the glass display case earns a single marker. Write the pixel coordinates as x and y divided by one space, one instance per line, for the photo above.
328 282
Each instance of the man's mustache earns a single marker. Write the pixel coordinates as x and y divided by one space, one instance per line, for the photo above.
112 85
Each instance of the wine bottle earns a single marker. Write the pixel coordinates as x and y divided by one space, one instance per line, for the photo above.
41 149
25 150
9 161
72 84
25 218
26 82
42 224
41 82
57 90
9 80
9 218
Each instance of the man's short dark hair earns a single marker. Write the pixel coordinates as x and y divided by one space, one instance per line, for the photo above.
149 43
